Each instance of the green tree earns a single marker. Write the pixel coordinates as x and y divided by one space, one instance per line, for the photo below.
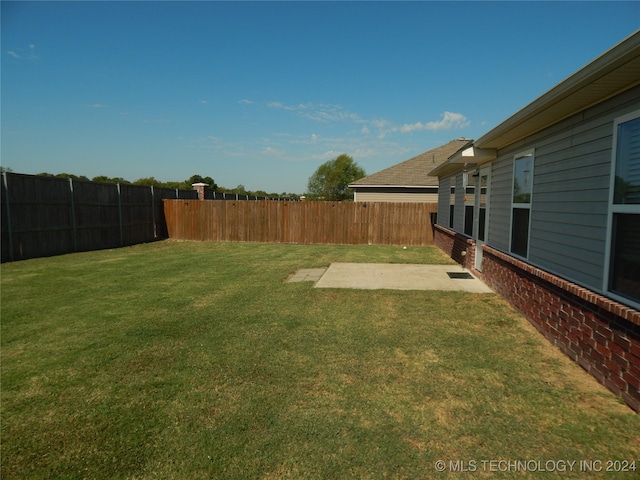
71 176
148 181
105 179
200 179
330 181
240 190
101 178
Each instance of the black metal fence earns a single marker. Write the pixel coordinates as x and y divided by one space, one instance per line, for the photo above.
209 195
45 216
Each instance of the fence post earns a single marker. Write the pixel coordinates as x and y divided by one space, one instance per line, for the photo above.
120 215
153 213
6 202
201 188
73 216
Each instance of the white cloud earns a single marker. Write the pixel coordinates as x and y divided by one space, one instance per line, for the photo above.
368 131
24 53
273 151
96 105
245 102
203 102
323 113
331 113
291 108
449 121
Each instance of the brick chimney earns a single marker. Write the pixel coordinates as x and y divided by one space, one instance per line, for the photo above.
201 188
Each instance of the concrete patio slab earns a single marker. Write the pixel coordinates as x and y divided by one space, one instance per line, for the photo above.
374 276
307 275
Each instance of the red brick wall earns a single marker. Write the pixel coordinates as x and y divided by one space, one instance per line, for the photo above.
459 247
601 335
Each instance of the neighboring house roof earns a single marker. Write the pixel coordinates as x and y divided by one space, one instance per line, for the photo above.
613 72
415 171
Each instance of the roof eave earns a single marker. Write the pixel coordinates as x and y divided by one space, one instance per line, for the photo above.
390 186
614 69
468 156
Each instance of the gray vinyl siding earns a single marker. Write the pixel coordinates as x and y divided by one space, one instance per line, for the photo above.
500 203
458 213
570 206
570 202
443 201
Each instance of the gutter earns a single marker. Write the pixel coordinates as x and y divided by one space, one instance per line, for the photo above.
386 185
611 73
627 52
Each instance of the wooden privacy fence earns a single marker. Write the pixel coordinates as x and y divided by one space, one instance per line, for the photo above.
352 223
43 216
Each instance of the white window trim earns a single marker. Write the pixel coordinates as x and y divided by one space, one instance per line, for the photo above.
615 208
487 168
525 153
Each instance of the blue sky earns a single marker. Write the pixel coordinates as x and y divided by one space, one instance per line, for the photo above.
262 93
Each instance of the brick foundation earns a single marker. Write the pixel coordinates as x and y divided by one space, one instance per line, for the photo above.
459 247
600 334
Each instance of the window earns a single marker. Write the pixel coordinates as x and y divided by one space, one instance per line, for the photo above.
521 203
482 210
624 258
452 200
469 182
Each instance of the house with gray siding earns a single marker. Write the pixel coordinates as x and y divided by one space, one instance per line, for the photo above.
408 181
553 218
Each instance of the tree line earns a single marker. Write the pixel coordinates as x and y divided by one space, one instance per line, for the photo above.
183 185
329 182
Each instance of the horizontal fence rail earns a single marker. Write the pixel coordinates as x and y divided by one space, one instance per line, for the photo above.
44 216
342 223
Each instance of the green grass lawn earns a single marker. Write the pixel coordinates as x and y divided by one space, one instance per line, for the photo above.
186 360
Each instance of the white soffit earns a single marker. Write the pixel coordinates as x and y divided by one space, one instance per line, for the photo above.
467 156
474 155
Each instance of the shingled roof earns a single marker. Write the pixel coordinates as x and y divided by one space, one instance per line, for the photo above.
414 172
